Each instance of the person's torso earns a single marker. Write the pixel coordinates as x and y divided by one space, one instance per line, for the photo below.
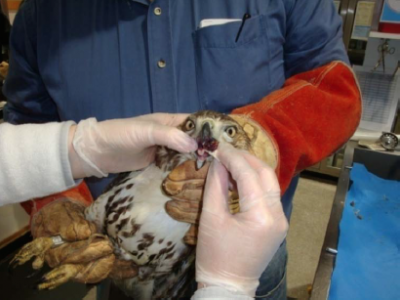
122 58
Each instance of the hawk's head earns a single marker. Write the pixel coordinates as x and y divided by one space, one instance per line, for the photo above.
208 128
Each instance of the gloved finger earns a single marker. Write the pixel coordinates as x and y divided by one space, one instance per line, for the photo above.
187 170
247 179
184 211
172 138
257 183
268 200
185 182
165 119
182 191
267 174
270 185
190 237
216 190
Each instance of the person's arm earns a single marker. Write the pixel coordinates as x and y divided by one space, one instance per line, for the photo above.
319 107
234 249
310 118
27 98
42 159
34 161
218 292
313 36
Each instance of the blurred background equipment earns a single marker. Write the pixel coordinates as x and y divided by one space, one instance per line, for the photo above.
375 57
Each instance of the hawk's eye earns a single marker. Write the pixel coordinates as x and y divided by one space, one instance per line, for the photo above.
189 125
231 131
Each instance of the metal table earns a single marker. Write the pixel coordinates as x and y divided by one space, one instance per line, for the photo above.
383 164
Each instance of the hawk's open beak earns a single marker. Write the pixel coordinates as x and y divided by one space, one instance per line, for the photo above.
205 142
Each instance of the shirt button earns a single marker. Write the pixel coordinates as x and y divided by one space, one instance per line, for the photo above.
161 64
157 11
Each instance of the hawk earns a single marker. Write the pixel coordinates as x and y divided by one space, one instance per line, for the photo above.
131 212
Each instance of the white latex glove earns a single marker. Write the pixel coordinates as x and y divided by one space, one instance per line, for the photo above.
234 250
114 146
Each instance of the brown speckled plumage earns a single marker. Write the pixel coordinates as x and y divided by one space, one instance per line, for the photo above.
131 210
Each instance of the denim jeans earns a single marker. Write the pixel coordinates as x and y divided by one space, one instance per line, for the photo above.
273 280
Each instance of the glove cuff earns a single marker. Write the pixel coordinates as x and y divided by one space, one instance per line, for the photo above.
262 144
79 193
216 292
242 287
84 142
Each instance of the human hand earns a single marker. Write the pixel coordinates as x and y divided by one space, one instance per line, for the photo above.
185 186
234 250
115 146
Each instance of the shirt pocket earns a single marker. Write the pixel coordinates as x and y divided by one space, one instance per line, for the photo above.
231 74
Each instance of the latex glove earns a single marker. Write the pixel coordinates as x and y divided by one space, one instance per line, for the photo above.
234 250
115 146
185 185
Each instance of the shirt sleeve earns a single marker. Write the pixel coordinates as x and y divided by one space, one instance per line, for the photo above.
217 293
313 35
28 99
34 161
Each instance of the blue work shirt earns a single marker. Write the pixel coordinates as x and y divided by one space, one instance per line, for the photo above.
74 59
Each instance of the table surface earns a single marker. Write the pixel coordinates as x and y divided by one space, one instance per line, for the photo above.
386 168
326 262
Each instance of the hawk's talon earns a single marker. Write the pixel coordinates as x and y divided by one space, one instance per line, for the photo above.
59 276
37 248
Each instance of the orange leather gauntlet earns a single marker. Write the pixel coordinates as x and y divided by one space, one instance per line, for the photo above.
79 193
311 117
